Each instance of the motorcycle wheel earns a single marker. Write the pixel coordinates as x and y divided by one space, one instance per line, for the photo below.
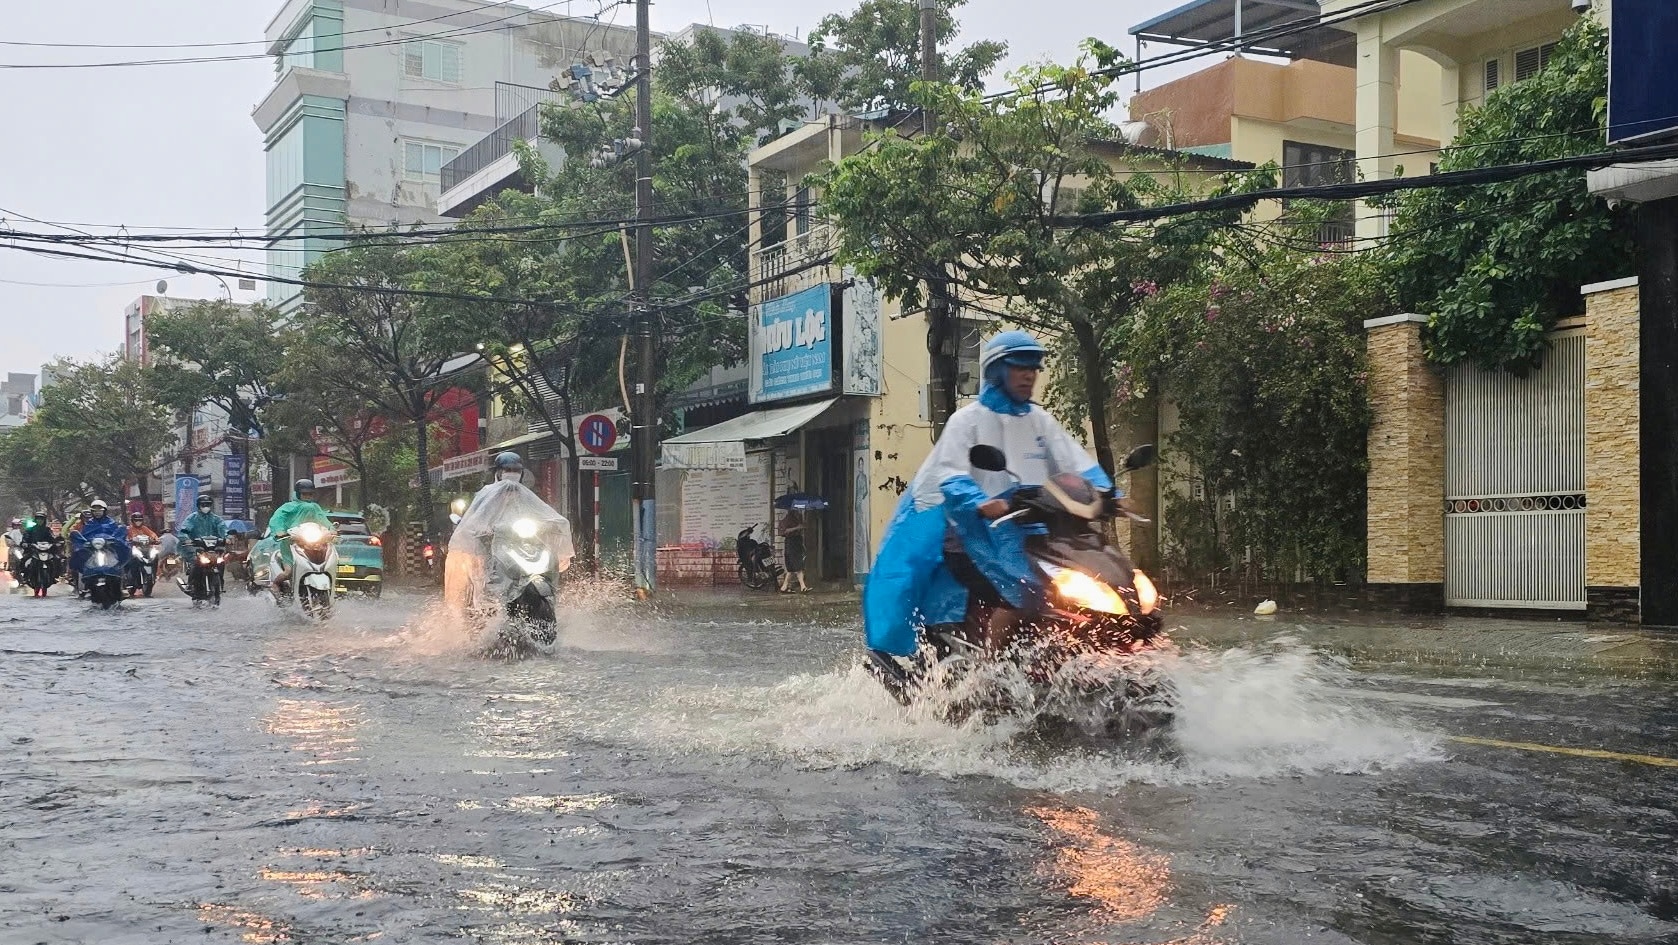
754 579
316 604
215 590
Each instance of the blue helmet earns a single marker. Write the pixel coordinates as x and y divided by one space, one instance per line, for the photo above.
509 461
1009 349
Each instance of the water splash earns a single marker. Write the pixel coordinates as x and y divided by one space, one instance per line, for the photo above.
1274 710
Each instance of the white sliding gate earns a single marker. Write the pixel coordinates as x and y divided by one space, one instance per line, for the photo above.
1515 483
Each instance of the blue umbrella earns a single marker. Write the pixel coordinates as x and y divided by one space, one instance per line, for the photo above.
801 502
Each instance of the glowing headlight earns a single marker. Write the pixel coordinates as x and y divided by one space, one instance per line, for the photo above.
1147 596
525 528
311 533
1079 589
203 559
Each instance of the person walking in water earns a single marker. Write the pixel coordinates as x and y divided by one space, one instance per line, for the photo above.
792 530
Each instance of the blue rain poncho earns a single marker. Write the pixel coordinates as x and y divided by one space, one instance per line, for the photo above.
909 586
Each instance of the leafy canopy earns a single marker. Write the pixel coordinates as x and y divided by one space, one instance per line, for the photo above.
1494 266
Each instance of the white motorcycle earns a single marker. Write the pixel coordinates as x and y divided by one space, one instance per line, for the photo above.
523 570
314 556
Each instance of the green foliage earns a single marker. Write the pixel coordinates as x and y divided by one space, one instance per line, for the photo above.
1494 266
973 213
101 424
870 57
1264 359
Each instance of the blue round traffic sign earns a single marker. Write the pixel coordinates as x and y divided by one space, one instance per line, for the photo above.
598 433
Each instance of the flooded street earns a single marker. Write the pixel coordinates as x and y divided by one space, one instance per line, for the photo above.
722 774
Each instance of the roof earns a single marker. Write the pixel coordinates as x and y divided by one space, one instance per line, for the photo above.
1210 162
1204 22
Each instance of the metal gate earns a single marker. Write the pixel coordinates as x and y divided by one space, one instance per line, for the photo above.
1515 483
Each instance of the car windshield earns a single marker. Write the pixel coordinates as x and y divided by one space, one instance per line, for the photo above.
349 525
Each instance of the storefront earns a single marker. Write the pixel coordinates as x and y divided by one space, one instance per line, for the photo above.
816 358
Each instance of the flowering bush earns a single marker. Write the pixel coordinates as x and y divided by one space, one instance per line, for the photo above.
1263 359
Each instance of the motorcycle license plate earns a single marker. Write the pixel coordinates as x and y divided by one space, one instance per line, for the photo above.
346 569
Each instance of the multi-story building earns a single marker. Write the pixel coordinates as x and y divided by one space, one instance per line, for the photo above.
17 399
371 100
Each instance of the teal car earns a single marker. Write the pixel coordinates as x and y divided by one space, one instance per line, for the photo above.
361 557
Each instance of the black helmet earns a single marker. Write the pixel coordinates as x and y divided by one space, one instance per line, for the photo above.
301 486
509 462
205 502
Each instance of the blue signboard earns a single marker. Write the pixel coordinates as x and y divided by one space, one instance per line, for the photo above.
792 346
186 496
235 502
1642 85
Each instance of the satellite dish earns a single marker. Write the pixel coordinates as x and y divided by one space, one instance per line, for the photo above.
162 287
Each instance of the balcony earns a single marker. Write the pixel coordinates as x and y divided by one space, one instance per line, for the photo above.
774 266
489 167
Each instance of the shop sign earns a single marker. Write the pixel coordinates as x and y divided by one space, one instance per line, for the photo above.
864 343
466 464
792 346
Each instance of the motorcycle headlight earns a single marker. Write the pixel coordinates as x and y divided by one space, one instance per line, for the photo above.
525 528
1147 596
203 559
1081 590
311 533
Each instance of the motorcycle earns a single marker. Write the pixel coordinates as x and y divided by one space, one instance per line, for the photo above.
40 567
103 573
314 556
205 571
522 568
504 561
142 571
1089 637
756 560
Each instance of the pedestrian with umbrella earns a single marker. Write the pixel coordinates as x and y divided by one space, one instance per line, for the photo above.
792 530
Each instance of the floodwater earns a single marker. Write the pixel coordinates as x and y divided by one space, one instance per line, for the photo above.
722 776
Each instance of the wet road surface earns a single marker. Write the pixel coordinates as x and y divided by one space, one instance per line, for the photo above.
716 775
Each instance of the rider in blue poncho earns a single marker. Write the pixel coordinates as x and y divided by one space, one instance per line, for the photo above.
101 525
911 586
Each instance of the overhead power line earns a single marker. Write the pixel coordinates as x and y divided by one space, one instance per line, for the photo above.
486 27
1375 188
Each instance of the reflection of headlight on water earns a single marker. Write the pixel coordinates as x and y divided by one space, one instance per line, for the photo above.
1079 589
525 528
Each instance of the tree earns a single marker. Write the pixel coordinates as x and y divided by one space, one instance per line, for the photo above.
973 217
1495 265
1264 359
871 57
226 356
100 426
387 352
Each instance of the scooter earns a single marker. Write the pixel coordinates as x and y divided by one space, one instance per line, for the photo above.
314 556
756 560
1096 605
142 572
205 570
522 569
41 566
102 575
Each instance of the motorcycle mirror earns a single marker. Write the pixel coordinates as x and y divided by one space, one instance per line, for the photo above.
988 458
1139 458
454 518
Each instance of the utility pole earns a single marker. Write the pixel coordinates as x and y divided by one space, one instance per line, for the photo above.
940 323
644 422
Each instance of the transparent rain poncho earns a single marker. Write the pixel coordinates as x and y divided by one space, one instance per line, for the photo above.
501 512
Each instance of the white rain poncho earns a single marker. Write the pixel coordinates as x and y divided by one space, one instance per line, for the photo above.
495 515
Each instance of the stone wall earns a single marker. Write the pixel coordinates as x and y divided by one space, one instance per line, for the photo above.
1406 458
1613 561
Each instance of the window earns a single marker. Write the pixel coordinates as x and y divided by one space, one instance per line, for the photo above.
430 59
1493 74
423 162
1530 62
1313 165
801 211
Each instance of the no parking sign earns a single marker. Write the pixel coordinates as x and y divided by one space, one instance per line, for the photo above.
597 433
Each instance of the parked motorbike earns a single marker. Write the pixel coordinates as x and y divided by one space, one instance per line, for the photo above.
103 574
756 560
41 566
205 571
1098 612
142 571
314 557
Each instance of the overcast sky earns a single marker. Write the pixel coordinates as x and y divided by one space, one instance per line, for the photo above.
175 147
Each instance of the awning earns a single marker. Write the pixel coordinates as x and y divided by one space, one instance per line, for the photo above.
541 444
723 445
1206 22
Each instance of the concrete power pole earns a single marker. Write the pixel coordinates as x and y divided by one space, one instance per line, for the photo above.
644 423
940 321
